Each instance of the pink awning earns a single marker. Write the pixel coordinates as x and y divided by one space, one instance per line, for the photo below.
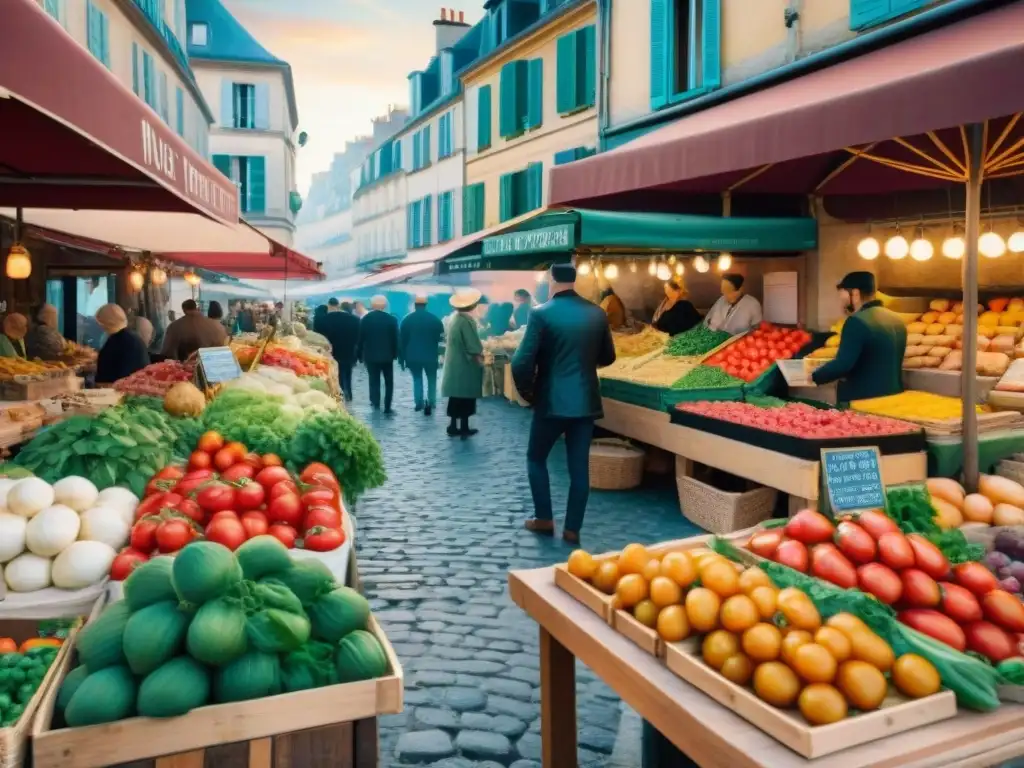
278 262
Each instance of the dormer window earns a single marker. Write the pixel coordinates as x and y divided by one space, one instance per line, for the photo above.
198 33
415 93
447 73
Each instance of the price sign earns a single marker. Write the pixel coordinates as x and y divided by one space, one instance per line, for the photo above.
853 478
218 364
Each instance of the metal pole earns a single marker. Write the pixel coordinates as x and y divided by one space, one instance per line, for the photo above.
969 388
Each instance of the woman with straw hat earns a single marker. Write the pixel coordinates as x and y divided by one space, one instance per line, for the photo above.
124 352
463 380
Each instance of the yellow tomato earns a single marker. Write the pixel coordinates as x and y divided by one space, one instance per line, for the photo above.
719 646
679 567
721 578
835 642
798 609
793 640
631 589
776 684
582 565
847 623
752 578
739 613
915 676
738 668
672 624
665 592
862 684
765 600
814 663
646 612
606 577
633 558
652 569
762 642
869 647
702 607
822 704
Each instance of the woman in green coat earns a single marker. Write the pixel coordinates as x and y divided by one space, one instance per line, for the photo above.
463 381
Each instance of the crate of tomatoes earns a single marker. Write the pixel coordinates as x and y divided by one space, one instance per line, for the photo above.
752 355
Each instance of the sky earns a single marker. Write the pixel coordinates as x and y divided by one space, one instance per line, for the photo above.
349 58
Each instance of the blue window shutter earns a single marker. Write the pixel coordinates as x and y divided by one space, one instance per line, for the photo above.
867 13
417 152
469 210
565 156
712 44
262 106
587 65
408 225
53 8
179 110
428 215
257 184
661 52
535 93
164 106
227 103
223 164
417 224
565 95
484 119
508 116
104 25
480 206
427 156
135 68
534 187
92 29
506 197
147 78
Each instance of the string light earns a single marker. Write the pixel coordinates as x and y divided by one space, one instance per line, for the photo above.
1016 242
701 264
954 247
672 259
611 271
157 276
868 248
991 245
632 266
664 272
19 262
192 278
724 261
652 268
897 247
585 268
921 249
136 280
680 269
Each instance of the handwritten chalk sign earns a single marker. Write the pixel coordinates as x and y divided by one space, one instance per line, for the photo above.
853 478
218 364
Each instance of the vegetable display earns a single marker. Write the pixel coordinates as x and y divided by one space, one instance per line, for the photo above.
999 501
346 446
206 629
707 377
647 340
21 673
156 379
913 406
294 390
800 420
699 340
1006 559
753 354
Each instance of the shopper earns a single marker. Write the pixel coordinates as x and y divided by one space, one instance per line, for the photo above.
419 340
44 340
523 306
341 328
191 332
555 369
869 360
12 340
124 351
359 310
463 379
318 318
378 348
216 312
675 314
735 312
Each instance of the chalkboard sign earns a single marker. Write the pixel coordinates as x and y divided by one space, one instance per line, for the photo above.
853 478
218 364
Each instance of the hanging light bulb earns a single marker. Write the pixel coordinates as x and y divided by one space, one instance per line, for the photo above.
868 249
724 261
539 275
19 262
652 268
672 259
701 264
611 271
953 247
921 249
680 269
632 266
664 272
991 245
585 268
1016 242
136 280
897 247
192 278
157 276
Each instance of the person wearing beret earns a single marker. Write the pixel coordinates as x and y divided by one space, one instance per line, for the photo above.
869 360
555 369
735 312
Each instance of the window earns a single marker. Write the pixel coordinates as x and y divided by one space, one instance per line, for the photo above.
445 216
396 150
165 112
179 110
149 80
514 84
869 13
484 119
98 33
135 68
421 148
521 192
198 34
571 155
685 49
535 94
250 176
577 65
243 105
415 213
445 136
428 216
473 208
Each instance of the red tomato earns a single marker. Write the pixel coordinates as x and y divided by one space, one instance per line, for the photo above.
765 543
224 459
250 494
321 539
194 480
270 476
990 641
285 509
272 460
238 450
191 510
317 497
210 442
959 604
880 581
199 460
230 514
172 535
164 480
126 561
828 563
855 543
320 474
326 517
877 523
975 577
794 554
894 550
919 589
283 533
1004 609
928 557
254 461
284 487
151 505
809 527
228 532
935 624
254 523
216 497
143 536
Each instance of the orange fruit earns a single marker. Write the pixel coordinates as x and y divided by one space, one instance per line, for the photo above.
915 676
738 668
652 569
798 609
814 663
679 567
721 578
702 607
821 704
646 612
672 624
793 640
633 559
739 613
847 623
776 684
762 642
869 647
719 646
862 684
631 589
606 577
835 642
752 578
665 592
764 599
582 565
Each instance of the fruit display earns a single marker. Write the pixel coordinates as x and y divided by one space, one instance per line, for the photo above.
23 371
914 406
696 342
282 355
1006 559
754 633
800 420
999 501
750 356
64 535
154 380
647 339
22 670
214 626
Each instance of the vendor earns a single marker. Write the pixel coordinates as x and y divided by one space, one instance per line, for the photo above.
613 307
735 312
676 313
869 360
12 341
44 341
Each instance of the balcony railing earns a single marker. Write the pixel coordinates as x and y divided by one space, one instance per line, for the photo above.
151 11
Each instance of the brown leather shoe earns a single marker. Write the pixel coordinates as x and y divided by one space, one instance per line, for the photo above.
542 527
570 537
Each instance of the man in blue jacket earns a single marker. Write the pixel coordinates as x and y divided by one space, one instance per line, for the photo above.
378 348
555 369
418 342
340 327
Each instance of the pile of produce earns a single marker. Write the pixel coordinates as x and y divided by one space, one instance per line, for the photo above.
17 369
281 355
154 380
22 670
230 495
647 340
912 405
750 356
800 420
296 391
508 342
707 377
655 370
1006 560
695 342
64 535
999 501
211 626
824 668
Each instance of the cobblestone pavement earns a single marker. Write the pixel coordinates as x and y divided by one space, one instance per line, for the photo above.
434 546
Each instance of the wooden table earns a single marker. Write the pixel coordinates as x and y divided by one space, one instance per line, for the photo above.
711 735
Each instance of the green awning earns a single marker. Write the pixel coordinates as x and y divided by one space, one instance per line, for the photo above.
554 235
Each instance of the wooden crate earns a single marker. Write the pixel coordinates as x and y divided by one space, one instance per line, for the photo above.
897 714
306 728
39 390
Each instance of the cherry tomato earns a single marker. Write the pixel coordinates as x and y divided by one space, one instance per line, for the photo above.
285 509
210 442
327 517
237 472
320 539
254 461
228 513
238 450
143 536
224 459
126 561
150 505
284 487
199 460
7 645
216 497
249 495
191 510
317 497
194 480
226 531
272 460
172 535
254 523
283 533
164 480
320 474
270 476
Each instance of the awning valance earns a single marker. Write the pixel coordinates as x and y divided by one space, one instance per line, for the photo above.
274 262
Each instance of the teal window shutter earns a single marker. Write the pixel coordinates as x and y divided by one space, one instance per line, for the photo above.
409 209
262 107
586 65
135 68
104 29
53 8
415 151
428 215
473 208
227 103
711 54
509 124
148 85
92 30
223 164
179 110
164 105
257 184
535 93
661 52
565 156
867 13
565 94
533 184
506 197
484 119
427 159
480 206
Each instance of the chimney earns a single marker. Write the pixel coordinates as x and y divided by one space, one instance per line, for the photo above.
450 28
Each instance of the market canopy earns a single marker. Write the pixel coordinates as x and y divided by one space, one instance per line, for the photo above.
547 236
804 135
274 262
82 140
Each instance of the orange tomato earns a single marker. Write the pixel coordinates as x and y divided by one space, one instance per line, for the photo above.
272 460
814 663
40 642
679 567
7 645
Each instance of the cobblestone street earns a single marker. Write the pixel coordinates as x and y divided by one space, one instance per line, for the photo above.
434 547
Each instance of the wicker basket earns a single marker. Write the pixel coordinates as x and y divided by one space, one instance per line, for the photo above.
615 465
718 511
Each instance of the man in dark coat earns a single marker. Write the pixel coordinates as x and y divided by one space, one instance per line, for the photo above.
378 348
340 327
555 369
869 361
419 340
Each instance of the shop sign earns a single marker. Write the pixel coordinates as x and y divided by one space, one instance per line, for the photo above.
218 364
544 240
853 478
